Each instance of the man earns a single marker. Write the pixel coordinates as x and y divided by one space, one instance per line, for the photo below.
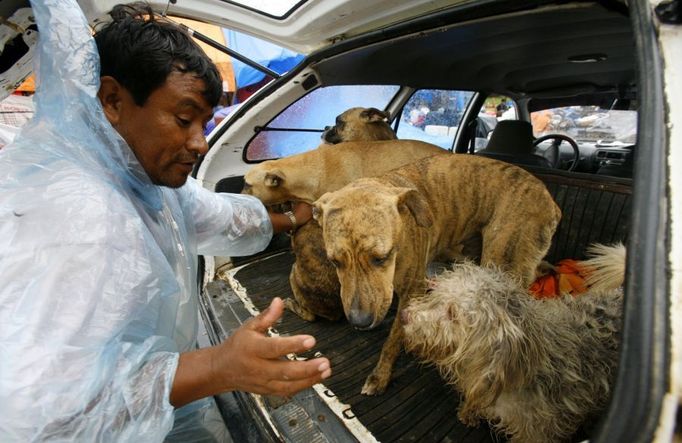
100 228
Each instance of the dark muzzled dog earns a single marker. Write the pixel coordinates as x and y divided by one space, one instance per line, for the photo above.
306 177
359 124
313 279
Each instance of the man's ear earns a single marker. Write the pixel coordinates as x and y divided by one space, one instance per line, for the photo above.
110 94
274 178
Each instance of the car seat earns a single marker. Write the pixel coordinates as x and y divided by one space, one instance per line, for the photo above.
512 141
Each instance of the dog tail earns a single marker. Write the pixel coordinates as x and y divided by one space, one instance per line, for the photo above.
607 266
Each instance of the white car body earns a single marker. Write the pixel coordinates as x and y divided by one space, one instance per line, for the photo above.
316 25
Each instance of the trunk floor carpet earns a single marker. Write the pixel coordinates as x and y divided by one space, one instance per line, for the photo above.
417 405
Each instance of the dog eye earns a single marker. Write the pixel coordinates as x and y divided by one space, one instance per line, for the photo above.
379 261
335 263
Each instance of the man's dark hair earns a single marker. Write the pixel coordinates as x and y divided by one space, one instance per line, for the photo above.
140 49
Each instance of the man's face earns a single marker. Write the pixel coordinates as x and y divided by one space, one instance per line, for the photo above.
167 132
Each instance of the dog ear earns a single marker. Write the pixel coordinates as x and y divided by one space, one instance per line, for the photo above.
499 352
374 115
317 208
274 178
417 205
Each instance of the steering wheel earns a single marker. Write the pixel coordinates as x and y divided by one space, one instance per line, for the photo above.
558 138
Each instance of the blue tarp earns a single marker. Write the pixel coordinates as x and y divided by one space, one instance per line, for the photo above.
264 53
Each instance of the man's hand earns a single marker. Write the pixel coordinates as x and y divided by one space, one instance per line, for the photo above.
302 212
251 361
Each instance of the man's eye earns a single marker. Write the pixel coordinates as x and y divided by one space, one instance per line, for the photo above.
183 122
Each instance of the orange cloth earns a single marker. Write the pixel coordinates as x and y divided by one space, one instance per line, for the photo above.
28 85
568 277
540 121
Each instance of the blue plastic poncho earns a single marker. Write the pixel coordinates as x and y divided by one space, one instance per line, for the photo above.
97 265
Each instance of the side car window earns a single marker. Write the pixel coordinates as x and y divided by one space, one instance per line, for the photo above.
299 127
433 116
495 108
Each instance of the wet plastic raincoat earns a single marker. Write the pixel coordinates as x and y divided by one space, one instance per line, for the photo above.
98 265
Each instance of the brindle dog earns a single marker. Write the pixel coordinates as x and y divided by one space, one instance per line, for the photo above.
381 233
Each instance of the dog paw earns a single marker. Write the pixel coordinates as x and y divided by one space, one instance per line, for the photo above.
374 386
299 310
469 418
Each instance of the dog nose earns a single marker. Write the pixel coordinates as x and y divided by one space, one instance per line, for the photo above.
360 319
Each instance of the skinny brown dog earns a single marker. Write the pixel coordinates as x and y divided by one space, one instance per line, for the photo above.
380 233
306 177
359 124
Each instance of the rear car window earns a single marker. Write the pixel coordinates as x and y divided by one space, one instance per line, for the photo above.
299 127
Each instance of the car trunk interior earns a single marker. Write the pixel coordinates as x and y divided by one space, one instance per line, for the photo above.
533 62
417 406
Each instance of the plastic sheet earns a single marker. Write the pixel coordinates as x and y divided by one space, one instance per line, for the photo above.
98 265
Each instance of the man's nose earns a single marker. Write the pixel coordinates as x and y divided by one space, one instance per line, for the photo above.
197 142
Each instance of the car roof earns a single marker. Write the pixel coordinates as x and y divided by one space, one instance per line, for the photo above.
540 49
560 51
546 50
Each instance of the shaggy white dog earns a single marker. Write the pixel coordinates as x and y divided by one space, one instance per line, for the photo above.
535 369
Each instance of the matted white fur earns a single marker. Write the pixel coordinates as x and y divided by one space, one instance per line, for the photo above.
535 369
607 263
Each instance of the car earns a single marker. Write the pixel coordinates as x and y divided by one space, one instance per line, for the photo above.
602 73
18 37
597 81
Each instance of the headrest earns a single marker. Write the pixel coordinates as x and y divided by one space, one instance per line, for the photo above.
511 137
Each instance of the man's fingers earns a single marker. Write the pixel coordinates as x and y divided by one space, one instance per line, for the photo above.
290 377
301 370
284 377
280 376
275 347
269 317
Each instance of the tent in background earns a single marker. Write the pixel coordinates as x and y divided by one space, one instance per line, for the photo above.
248 79
239 77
